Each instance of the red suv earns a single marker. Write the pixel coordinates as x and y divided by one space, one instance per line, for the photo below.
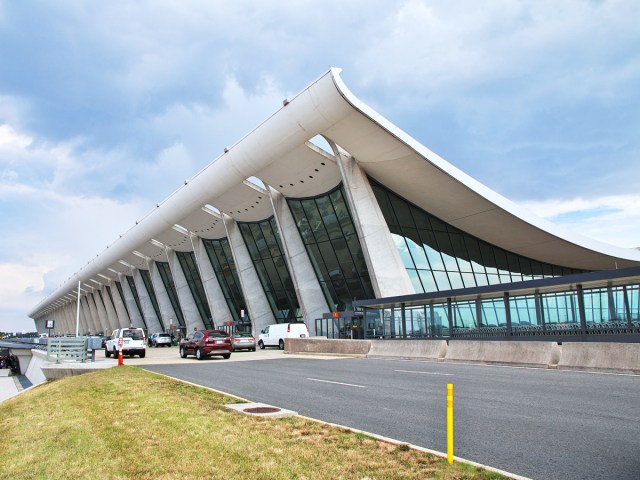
204 343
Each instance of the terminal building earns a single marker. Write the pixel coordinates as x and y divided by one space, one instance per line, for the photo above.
329 214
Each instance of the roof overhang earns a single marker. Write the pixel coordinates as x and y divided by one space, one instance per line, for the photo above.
279 153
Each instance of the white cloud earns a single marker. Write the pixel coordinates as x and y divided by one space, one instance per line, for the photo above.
613 219
442 47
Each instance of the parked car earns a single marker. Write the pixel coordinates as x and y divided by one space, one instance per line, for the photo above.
275 335
133 342
204 343
161 340
243 341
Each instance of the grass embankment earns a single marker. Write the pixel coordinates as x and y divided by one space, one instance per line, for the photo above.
128 423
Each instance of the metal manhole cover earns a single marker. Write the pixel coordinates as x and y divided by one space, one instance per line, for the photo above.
261 410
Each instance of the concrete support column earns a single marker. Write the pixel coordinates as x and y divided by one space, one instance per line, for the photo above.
151 318
188 304
70 316
217 303
259 310
56 316
112 316
389 277
305 281
134 314
59 318
97 321
164 303
119 305
86 320
102 312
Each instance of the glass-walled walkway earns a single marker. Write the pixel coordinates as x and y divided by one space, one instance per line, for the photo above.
602 306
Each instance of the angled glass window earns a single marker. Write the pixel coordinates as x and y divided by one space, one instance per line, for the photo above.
329 235
146 279
439 256
167 280
221 258
263 242
136 298
192 275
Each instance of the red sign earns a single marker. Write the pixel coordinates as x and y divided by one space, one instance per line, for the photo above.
335 314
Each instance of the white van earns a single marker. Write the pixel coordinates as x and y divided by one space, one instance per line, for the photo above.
275 335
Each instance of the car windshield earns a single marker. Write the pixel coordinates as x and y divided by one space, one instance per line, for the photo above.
133 334
243 335
164 335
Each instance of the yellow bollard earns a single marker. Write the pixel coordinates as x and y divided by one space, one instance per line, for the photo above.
450 423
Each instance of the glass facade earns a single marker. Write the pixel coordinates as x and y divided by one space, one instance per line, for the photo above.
134 291
146 279
192 274
331 241
167 280
219 252
440 257
575 311
263 242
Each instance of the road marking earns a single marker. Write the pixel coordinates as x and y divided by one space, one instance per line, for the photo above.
424 373
337 383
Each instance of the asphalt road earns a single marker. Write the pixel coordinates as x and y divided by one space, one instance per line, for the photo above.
542 424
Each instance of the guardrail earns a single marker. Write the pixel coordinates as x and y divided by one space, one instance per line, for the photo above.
67 349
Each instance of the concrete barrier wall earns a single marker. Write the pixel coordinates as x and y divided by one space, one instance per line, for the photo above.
24 358
607 357
34 370
539 354
327 345
596 356
410 349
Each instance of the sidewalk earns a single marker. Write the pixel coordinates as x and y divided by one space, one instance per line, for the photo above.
8 387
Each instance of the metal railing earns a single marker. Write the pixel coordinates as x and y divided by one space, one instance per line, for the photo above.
62 349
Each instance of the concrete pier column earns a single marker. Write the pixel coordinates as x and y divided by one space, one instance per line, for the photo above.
102 312
217 303
134 313
167 312
112 316
388 275
87 322
305 281
189 309
151 318
118 303
259 310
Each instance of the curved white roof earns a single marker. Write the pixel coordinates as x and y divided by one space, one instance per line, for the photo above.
279 153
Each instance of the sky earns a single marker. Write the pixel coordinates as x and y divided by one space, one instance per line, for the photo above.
106 107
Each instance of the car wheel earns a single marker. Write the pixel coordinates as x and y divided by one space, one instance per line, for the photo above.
107 353
115 352
253 349
183 354
226 356
199 354
142 355
261 345
281 344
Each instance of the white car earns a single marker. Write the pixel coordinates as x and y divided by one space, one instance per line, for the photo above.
132 340
276 334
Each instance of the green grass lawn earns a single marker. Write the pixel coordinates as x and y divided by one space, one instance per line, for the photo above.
129 423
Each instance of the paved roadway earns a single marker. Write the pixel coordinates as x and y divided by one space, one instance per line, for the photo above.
542 424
